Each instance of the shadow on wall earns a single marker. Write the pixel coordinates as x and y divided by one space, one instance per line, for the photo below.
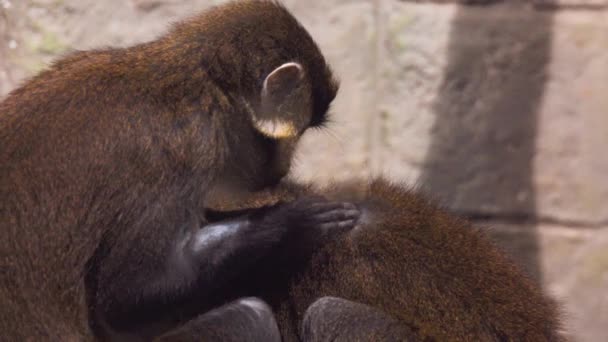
481 159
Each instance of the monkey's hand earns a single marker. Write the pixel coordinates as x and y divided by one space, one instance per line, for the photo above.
292 228
308 222
315 215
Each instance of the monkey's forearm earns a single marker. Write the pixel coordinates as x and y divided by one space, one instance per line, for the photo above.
216 251
214 216
190 271
186 281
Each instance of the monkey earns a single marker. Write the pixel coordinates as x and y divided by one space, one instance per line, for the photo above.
107 161
408 271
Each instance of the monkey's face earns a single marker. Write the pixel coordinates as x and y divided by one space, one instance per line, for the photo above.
257 162
274 163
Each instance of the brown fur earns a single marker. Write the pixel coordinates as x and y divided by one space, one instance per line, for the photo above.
433 272
106 153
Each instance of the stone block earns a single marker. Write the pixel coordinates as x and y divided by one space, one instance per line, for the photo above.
501 112
345 31
571 164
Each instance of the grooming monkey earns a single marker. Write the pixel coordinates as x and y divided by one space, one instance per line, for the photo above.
108 158
408 271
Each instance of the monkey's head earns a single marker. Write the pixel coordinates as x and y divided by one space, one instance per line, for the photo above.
269 66
285 110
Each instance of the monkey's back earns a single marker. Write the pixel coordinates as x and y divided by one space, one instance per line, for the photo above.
43 243
70 154
426 268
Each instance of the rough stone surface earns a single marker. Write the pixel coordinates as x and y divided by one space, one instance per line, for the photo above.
571 161
572 4
500 111
341 151
542 4
411 71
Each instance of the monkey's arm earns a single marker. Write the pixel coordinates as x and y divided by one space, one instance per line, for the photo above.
152 285
213 215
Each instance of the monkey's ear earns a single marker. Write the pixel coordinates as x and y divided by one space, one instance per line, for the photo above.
284 109
283 79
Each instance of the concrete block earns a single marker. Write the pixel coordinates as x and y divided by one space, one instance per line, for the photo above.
345 31
571 162
501 111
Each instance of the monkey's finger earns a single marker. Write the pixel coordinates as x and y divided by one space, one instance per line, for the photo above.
338 215
328 206
338 226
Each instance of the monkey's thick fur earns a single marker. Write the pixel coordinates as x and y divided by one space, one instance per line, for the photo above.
436 276
108 157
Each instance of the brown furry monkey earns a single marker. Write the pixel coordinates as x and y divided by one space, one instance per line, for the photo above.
108 157
408 271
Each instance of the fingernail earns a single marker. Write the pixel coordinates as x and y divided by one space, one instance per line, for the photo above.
353 212
348 224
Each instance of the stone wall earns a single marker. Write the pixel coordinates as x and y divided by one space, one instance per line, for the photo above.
497 108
